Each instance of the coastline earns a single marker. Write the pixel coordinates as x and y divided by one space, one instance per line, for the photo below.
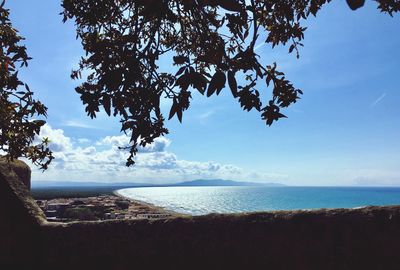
112 202
150 206
110 206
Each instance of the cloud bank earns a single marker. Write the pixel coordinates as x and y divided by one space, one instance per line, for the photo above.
103 161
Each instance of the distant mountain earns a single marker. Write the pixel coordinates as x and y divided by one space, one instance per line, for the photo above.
221 182
197 183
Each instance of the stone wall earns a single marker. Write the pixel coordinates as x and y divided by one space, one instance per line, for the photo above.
20 217
366 238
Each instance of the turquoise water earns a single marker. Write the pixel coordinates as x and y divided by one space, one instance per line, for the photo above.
204 200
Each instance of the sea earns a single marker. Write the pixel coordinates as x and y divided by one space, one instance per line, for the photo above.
236 199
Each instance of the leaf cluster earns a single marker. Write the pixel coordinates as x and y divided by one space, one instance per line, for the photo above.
211 43
19 112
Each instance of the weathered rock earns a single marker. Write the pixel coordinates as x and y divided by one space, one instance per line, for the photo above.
20 217
20 168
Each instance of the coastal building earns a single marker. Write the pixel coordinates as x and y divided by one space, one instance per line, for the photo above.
152 215
101 208
51 213
57 206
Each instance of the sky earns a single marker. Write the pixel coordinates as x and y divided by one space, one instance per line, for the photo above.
344 131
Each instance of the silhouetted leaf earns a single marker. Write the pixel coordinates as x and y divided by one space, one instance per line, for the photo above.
199 82
127 125
39 122
179 114
231 5
217 83
107 104
180 60
232 83
355 4
291 48
180 71
173 110
126 42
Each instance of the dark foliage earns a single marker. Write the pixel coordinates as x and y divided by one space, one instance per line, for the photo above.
211 43
19 112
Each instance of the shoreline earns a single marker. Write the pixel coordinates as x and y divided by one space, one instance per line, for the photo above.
151 206
140 208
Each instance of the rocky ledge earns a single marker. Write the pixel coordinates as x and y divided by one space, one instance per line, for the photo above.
364 238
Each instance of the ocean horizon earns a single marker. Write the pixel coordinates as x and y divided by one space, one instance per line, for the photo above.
236 199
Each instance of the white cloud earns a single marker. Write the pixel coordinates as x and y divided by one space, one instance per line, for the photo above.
123 140
104 162
72 123
83 140
118 141
204 116
378 100
58 141
259 46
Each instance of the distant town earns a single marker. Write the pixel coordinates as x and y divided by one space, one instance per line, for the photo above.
102 207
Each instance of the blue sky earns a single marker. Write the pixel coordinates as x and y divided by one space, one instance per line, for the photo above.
344 131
